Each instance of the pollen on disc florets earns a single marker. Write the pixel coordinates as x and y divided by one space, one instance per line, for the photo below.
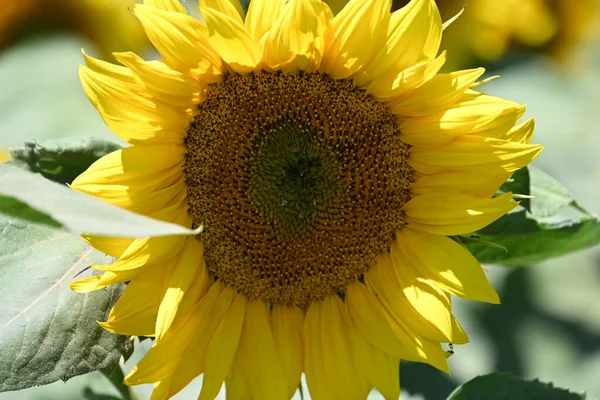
298 180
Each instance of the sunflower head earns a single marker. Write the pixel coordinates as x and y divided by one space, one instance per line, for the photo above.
328 162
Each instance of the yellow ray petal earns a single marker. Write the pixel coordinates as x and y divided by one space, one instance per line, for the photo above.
355 34
381 369
287 322
257 355
373 322
112 246
447 263
390 289
131 116
192 366
236 386
413 35
233 42
472 153
473 184
169 355
455 214
435 95
161 82
182 41
347 381
96 282
262 15
135 173
231 8
395 83
108 69
314 365
135 312
166 5
222 348
521 133
475 113
143 253
296 41
179 278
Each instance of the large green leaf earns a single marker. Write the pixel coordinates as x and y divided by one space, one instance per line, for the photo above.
524 241
550 196
47 331
57 204
503 386
62 160
519 184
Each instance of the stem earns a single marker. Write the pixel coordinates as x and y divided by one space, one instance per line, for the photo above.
116 377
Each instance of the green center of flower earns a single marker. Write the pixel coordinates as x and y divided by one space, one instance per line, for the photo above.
298 180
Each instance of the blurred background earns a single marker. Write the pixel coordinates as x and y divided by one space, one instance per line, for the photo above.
548 55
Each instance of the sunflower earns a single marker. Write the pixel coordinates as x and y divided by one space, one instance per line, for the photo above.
4 155
330 167
107 23
488 29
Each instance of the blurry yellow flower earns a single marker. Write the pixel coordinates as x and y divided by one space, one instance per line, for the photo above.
489 28
107 23
328 163
4 155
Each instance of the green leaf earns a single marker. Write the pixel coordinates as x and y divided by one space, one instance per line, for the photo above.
47 331
72 210
528 242
519 183
503 386
62 160
550 196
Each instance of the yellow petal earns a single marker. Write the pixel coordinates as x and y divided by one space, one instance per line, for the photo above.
355 34
381 369
296 41
236 386
385 282
257 355
169 355
521 133
413 35
473 184
472 153
314 363
161 82
112 246
231 8
375 324
395 83
139 178
287 324
135 312
347 381
131 116
442 260
96 282
143 253
475 113
262 15
233 42
108 69
166 5
435 95
182 42
222 348
178 280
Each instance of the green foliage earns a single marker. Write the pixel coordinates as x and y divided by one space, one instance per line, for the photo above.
524 237
62 160
57 204
47 331
503 386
